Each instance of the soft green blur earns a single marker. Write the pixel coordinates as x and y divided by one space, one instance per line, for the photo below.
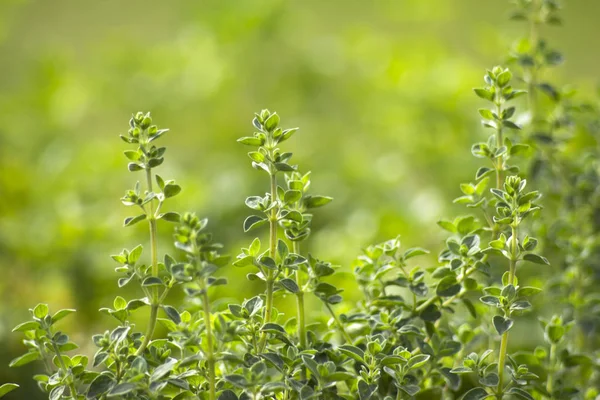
380 89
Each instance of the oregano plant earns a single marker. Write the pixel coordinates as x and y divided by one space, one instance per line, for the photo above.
420 329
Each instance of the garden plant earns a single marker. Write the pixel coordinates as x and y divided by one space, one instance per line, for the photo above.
436 332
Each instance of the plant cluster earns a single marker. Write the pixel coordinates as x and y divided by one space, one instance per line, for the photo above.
439 332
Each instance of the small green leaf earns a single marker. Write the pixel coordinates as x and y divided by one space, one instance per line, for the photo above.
26 326
61 314
171 190
40 311
121 389
353 352
7 388
152 281
502 324
475 394
102 384
448 287
535 258
414 252
129 221
24 359
520 393
253 221
172 313
290 285
170 217
316 201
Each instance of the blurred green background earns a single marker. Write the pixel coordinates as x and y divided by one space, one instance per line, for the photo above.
380 89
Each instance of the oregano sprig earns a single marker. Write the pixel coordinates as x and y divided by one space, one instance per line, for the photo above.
147 157
269 158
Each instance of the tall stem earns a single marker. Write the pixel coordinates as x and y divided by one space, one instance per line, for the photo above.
72 388
532 81
504 342
339 324
499 143
300 302
154 260
210 357
550 382
272 253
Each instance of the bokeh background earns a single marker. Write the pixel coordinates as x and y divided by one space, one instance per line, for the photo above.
380 89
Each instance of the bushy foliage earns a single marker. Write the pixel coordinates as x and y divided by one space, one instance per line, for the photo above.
429 333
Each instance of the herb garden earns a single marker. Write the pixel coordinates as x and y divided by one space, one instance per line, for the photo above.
444 331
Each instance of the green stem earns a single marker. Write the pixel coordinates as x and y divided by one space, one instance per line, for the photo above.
532 81
300 301
504 341
210 357
272 253
499 143
72 388
550 382
154 260
339 324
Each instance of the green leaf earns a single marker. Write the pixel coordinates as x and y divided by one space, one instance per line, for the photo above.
40 311
121 389
353 352
290 285
171 190
163 370
482 172
487 114
256 156
292 196
250 141
528 291
447 225
535 258
448 287
475 394
484 94
172 313
152 281
414 252
170 217
418 361
57 392
119 303
504 78
7 388
129 221
316 201
520 393
24 359
102 384
26 326
253 221
502 324
61 314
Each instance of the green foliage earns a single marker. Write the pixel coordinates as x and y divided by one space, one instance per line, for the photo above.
417 332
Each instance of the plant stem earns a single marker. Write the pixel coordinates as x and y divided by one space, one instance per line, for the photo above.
499 143
154 260
504 341
532 81
272 253
550 382
210 357
300 302
339 324
72 388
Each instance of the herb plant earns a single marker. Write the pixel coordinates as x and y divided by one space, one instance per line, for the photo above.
436 332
